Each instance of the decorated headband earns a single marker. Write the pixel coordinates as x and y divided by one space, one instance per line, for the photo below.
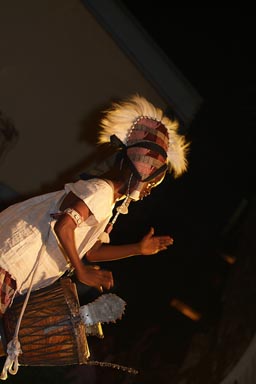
149 139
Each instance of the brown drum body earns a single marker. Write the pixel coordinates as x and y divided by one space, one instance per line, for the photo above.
51 331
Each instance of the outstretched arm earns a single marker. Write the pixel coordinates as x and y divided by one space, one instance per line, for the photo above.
149 245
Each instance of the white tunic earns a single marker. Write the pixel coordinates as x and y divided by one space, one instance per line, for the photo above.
27 225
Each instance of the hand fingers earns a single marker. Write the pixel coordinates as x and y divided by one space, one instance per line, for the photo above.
95 266
162 243
106 276
165 240
97 278
106 280
150 233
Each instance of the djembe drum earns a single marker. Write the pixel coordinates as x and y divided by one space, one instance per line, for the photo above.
51 331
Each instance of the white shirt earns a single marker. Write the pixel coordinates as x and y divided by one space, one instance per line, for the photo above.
26 226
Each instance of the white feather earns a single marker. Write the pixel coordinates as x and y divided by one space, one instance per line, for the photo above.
121 117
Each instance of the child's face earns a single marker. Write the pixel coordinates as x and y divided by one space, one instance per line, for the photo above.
148 186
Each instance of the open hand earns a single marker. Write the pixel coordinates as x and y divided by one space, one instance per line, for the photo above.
151 244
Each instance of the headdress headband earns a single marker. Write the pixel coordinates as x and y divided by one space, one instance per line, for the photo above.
147 137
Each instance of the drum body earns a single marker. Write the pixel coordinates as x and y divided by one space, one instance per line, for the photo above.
51 331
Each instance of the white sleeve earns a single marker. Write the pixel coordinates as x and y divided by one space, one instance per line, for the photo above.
97 194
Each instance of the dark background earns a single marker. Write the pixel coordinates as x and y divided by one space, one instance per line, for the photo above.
213 47
204 210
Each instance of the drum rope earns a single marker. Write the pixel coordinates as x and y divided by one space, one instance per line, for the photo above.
11 364
112 365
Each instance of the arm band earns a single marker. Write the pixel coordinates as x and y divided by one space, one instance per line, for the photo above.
75 216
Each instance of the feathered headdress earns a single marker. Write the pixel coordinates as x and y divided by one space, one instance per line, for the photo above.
150 138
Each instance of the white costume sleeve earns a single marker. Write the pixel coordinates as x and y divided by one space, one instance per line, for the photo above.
97 194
